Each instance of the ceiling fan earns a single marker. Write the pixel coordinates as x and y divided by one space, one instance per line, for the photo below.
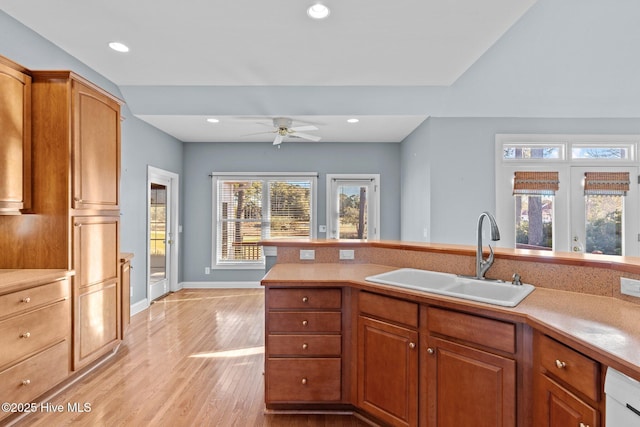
283 128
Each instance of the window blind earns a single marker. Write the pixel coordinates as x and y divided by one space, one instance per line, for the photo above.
606 183
535 183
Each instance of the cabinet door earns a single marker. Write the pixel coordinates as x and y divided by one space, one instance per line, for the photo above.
388 371
96 320
469 387
15 140
557 407
96 149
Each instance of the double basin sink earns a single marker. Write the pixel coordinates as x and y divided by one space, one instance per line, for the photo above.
481 290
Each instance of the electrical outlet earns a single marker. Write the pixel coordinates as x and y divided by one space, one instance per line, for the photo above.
630 287
207 270
347 254
307 254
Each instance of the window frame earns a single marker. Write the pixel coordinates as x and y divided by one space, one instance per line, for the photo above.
562 226
265 177
374 204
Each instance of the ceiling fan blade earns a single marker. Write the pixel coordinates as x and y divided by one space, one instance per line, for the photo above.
307 136
303 128
257 133
278 139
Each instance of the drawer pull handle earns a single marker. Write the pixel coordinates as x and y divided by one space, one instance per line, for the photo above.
560 364
412 345
305 323
430 350
305 299
305 346
25 335
304 381
26 382
26 300
584 425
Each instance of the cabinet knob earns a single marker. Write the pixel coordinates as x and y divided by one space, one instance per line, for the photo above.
560 364
584 425
305 299
26 382
430 350
304 381
25 335
305 346
26 300
305 323
412 345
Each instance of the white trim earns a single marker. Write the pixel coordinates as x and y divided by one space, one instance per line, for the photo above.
220 285
262 174
139 306
154 173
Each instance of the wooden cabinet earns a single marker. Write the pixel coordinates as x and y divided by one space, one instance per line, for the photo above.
96 287
567 386
125 292
35 329
387 359
471 370
96 148
303 362
15 138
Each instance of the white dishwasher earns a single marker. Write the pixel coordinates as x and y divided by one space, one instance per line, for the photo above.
623 400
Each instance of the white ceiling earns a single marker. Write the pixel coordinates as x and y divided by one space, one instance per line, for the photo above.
274 43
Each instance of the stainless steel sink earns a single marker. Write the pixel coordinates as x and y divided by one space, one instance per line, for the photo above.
488 291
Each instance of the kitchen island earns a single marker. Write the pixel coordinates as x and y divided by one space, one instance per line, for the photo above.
554 346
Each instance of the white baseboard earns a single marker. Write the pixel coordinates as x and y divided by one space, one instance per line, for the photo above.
139 306
220 285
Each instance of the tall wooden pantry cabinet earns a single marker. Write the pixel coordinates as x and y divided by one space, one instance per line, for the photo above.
75 203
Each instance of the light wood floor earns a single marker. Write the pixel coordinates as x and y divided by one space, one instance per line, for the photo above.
194 358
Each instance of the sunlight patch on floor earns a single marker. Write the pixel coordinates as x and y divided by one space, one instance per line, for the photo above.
241 352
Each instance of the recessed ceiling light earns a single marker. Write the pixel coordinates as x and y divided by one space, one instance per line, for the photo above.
212 120
352 120
119 47
318 11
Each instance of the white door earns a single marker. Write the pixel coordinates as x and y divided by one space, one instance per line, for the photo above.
162 237
353 206
604 223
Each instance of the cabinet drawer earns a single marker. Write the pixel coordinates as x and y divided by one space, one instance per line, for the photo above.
304 345
28 333
29 379
301 298
569 366
304 380
304 321
27 299
473 329
391 309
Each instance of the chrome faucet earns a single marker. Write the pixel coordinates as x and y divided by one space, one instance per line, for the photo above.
482 265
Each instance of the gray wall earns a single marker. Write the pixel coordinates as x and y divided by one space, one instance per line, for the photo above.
455 159
141 144
200 159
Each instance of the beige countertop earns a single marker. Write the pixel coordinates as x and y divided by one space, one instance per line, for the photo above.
12 280
604 328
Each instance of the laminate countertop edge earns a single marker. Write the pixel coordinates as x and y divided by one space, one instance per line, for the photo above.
604 328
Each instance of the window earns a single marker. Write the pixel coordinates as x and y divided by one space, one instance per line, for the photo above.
592 206
353 206
251 207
